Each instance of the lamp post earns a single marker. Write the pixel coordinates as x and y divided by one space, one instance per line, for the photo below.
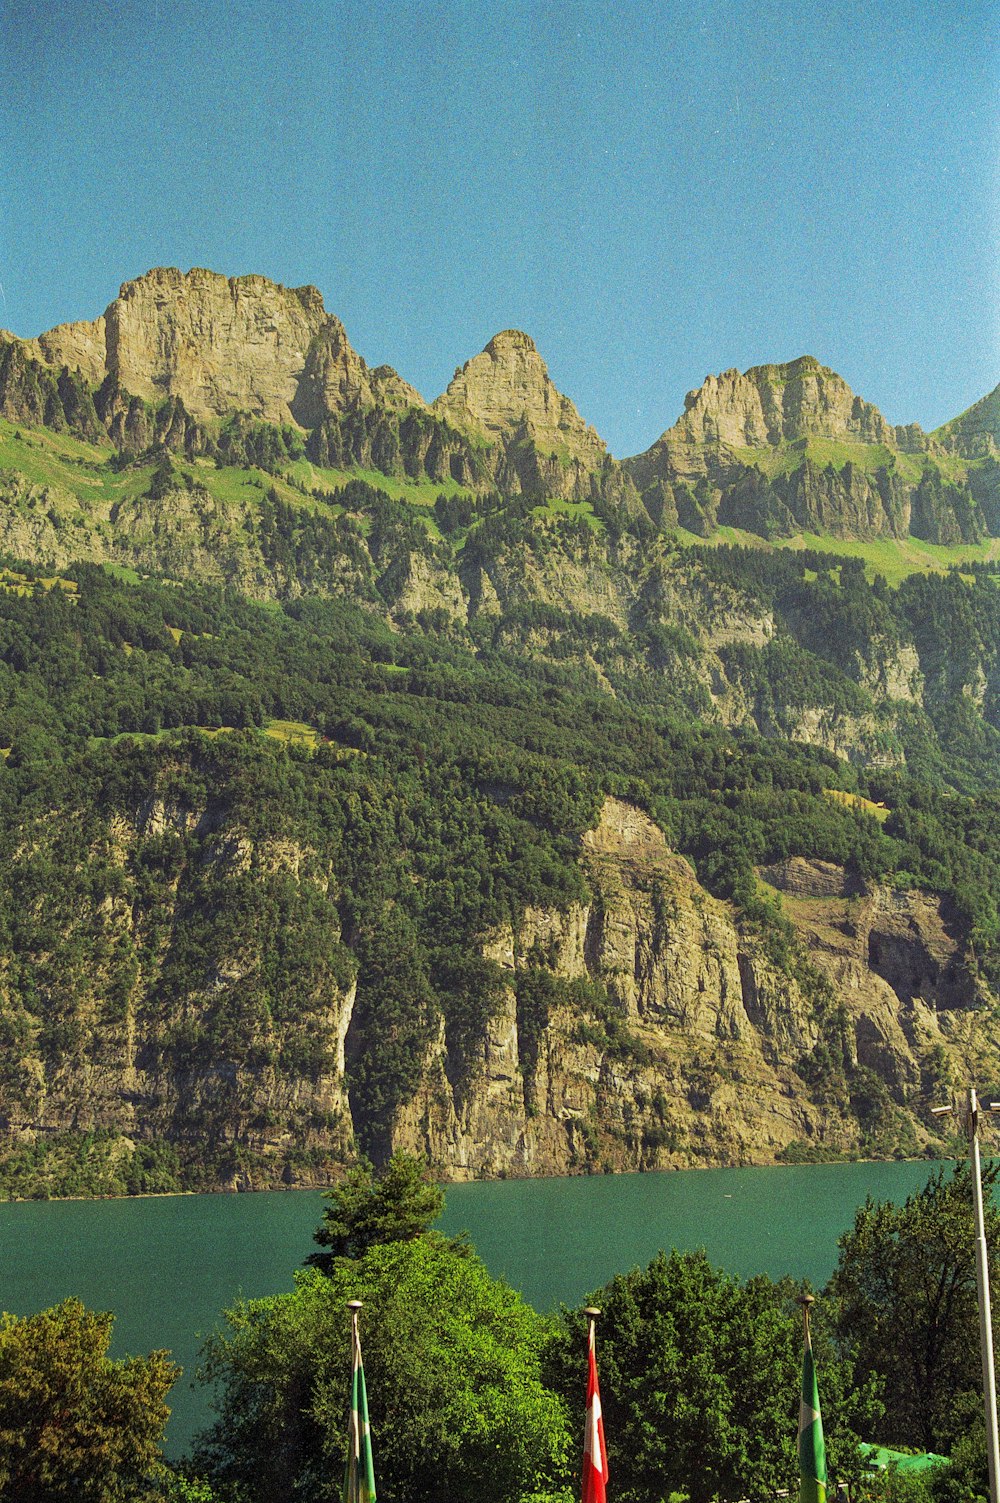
970 1116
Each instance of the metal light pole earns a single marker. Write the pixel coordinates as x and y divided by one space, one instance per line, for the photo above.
971 1116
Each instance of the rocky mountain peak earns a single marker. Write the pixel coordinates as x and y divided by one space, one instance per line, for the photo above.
773 404
835 464
975 433
506 392
510 343
224 344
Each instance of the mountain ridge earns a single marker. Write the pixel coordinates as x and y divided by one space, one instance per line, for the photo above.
103 346
217 346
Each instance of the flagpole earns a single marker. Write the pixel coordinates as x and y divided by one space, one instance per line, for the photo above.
595 1457
359 1471
983 1289
806 1301
972 1113
811 1446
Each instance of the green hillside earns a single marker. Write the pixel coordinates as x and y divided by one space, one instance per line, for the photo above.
440 781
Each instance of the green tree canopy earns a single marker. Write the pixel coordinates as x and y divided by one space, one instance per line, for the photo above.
75 1426
700 1380
369 1208
458 1409
905 1292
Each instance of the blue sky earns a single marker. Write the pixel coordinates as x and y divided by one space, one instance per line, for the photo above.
653 191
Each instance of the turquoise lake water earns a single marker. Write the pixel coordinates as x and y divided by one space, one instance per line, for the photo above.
167 1267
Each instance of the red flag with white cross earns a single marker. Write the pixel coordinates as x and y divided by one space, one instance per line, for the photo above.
595 1456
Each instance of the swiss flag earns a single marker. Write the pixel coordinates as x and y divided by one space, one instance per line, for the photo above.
595 1456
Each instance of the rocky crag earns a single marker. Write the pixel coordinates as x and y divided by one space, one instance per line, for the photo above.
209 433
543 446
629 609
223 344
190 362
786 448
174 354
639 1029
975 433
149 1059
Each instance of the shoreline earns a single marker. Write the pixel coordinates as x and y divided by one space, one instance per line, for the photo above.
493 1179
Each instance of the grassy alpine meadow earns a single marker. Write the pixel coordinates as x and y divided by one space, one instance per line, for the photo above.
894 559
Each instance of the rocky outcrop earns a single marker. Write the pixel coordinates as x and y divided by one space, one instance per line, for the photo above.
184 533
975 433
800 877
550 569
507 386
790 448
43 524
156 1048
673 1040
848 502
411 443
775 404
641 1028
542 446
336 380
897 962
32 394
224 344
217 346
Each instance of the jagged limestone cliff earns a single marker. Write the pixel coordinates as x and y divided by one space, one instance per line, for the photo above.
897 960
641 1025
245 1081
774 404
211 346
778 449
543 445
223 344
786 448
638 1029
704 1051
975 433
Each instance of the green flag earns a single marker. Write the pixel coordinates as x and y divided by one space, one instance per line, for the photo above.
359 1473
812 1448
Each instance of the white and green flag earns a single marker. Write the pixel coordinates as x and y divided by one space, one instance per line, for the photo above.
812 1447
359 1473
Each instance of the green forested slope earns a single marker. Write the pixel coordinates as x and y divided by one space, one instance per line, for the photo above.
171 867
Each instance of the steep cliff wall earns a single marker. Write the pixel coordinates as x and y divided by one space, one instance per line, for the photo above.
776 449
773 404
786 448
543 446
671 1039
975 433
149 1019
235 538
638 1029
224 344
218 345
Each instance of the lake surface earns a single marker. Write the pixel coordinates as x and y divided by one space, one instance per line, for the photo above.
169 1266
